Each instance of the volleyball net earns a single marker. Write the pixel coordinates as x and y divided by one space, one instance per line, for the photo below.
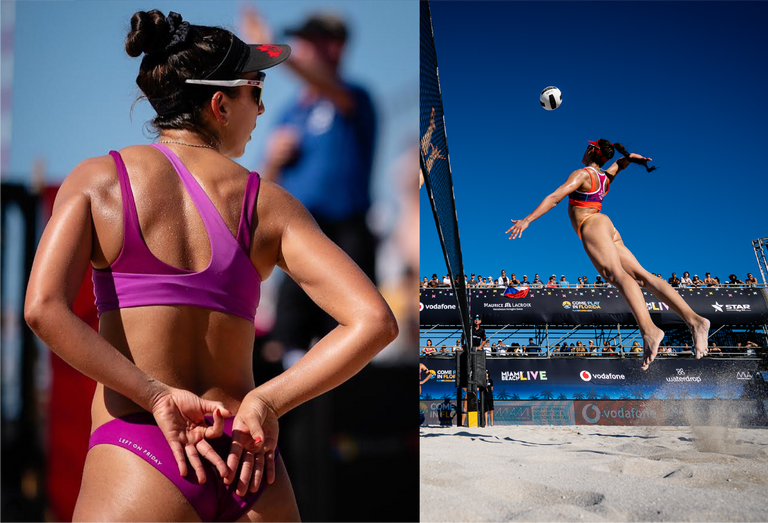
436 167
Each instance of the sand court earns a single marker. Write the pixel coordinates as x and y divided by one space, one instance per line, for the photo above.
594 473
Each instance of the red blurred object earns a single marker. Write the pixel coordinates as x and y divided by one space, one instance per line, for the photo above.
69 414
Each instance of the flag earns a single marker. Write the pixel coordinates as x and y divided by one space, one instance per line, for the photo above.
515 292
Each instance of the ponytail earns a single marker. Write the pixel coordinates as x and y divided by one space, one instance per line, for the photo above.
619 147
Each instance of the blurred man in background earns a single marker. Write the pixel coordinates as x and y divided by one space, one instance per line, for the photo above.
322 153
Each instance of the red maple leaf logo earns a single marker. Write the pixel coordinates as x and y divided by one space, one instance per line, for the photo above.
271 50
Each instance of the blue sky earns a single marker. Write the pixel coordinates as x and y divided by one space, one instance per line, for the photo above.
680 82
73 86
73 83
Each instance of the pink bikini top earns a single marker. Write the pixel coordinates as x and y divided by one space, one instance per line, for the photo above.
137 278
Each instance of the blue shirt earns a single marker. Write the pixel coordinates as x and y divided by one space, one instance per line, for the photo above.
332 173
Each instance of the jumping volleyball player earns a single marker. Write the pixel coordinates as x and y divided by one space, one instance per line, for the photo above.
180 238
586 188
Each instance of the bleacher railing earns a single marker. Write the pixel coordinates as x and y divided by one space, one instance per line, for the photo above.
603 286
616 352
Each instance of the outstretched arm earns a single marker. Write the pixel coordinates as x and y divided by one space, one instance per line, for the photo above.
623 162
574 181
303 61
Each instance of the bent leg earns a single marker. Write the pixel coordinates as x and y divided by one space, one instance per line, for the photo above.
276 502
698 325
120 486
597 237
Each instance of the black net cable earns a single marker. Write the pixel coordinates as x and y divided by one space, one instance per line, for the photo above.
436 168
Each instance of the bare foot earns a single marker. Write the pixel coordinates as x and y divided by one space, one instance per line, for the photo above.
651 347
700 332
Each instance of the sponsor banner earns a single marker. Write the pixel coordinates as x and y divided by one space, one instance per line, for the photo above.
587 306
596 378
533 413
621 412
438 307
442 381
723 413
433 410
695 412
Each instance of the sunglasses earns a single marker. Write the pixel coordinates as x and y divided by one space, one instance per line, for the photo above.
257 84
599 152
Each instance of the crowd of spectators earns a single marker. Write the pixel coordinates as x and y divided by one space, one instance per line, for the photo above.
503 281
578 348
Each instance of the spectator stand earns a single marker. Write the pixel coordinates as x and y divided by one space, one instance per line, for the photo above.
738 316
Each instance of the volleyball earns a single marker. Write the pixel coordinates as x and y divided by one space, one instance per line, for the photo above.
551 98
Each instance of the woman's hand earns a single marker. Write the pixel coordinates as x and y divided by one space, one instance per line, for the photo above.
254 440
642 160
180 414
517 229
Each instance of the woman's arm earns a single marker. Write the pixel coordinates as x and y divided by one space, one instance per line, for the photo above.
339 287
622 163
577 178
58 270
60 265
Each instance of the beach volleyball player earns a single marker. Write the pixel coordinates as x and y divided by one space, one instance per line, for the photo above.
586 189
180 238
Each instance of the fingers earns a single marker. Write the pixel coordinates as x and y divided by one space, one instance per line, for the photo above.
245 474
514 231
205 450
233 459
194 460
217 429
269 466
178 454
258 472
210 407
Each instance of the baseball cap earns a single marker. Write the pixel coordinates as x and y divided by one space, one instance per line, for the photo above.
326 25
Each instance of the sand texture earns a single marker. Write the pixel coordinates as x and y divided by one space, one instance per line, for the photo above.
594 473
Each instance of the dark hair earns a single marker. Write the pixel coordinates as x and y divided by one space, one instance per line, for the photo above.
175 51
609 149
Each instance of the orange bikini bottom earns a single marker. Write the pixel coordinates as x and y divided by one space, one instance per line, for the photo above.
587 217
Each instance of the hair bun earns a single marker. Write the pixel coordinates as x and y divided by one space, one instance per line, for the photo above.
149 33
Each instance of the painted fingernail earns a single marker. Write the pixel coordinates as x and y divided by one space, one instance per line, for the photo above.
257 441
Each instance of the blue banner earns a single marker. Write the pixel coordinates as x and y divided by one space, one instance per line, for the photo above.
605 379
592 306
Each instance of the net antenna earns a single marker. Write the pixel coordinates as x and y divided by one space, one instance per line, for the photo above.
436 167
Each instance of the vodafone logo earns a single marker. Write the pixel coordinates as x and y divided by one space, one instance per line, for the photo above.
585 375
421 306
593 408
